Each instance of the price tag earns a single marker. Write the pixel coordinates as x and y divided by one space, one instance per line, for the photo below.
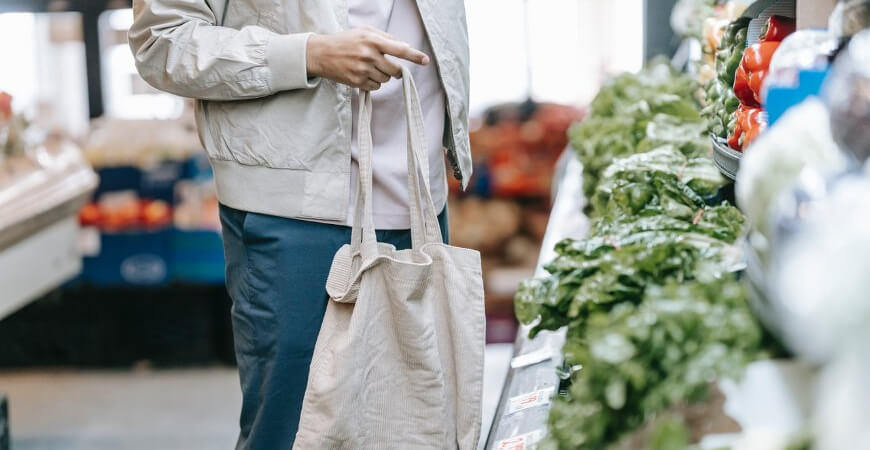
530 400
525 441
530 358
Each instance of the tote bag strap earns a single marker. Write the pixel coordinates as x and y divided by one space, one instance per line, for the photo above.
424 219
420 194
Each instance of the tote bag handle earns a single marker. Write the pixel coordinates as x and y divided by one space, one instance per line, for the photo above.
424 219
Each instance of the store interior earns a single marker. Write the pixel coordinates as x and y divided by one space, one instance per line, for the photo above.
669 198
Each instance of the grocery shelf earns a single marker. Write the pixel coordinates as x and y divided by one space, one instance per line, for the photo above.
521 417
38 264
39 227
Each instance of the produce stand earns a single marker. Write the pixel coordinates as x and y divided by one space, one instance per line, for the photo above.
521 417
674 322
38 227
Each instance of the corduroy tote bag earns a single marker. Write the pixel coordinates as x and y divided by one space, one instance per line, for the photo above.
398 362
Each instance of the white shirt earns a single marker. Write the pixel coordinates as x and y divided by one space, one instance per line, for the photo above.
401 19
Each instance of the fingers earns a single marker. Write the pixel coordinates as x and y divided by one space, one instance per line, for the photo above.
378 32
378 76
402 50
388 67
370 86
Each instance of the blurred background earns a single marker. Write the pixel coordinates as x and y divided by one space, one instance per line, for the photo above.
114 319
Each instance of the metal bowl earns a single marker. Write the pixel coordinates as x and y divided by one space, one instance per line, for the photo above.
725 158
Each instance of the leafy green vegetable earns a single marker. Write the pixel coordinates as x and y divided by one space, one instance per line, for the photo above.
639 359
698 174
721 222
622 92
635 113
688 136
600 273
652 309
671 434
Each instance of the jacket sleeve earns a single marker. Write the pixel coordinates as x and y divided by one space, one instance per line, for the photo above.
179 48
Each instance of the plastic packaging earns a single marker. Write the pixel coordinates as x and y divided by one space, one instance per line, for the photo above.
820 269
801 139
802 50
850 17
847 94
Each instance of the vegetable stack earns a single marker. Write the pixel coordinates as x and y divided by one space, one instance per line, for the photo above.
652 309
637 112
721 101
748 121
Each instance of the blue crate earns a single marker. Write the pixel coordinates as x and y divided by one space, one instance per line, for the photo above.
120 178
141 258
197 167
198 256
159 182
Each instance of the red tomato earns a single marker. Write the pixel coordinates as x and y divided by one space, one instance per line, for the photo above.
89 215
156 213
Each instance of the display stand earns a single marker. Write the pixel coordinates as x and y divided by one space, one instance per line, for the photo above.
39 227
521 417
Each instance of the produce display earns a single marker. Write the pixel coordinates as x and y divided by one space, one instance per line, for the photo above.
650 300
517 147
721 101
734 99
123 211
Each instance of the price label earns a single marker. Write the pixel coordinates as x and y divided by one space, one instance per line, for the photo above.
525 441
530 400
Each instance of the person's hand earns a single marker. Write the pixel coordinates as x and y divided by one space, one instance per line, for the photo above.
358 57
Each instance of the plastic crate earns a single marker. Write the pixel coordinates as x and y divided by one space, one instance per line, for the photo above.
142 258
198 256
120 178
157 182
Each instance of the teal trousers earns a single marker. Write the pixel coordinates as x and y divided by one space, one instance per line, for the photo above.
276 276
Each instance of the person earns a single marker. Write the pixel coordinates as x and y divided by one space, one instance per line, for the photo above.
276 84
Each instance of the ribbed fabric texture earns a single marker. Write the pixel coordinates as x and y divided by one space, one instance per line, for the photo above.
399 359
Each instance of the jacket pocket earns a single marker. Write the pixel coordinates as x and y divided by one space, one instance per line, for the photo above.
289 130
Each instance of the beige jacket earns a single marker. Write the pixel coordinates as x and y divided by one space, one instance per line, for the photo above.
278 141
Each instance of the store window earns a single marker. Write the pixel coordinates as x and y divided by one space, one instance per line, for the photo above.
574 45
43 60
127 95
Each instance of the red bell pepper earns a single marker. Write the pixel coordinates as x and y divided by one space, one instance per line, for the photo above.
749 125
741 88
755 62
777 28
